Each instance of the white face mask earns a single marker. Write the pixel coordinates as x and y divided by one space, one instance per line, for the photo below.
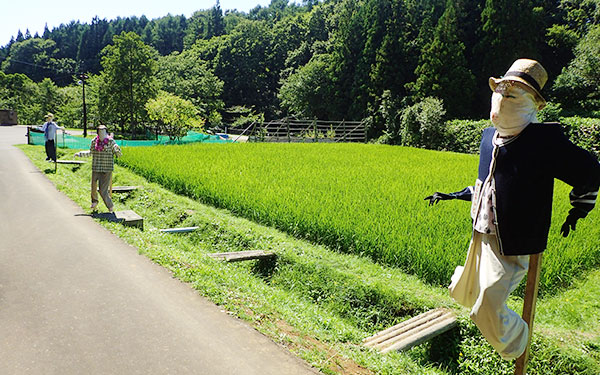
102 134
513 109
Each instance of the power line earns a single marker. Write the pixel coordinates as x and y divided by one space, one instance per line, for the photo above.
61 71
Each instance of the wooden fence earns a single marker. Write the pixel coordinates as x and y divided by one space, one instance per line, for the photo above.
296 130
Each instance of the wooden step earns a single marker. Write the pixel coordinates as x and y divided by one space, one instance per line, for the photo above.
412 332
179 230
239 256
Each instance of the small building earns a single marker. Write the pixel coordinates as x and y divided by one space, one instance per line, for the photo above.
8 117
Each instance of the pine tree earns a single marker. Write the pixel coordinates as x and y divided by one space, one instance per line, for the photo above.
442 70
46 34
216 25
508 33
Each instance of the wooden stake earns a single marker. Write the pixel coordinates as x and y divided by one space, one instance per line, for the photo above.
531 293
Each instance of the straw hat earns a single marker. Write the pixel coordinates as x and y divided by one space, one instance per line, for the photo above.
49 116
528 74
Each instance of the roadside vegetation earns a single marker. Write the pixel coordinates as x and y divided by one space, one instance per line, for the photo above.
320 302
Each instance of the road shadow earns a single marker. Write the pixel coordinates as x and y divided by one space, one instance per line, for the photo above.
105 216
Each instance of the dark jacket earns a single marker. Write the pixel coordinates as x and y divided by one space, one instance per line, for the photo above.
524 180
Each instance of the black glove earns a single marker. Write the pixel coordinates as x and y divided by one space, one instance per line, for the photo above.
570 222
437 196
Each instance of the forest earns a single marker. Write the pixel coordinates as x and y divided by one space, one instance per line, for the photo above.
380 60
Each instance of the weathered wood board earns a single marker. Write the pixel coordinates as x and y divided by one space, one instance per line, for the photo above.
412 332
179 230
239 256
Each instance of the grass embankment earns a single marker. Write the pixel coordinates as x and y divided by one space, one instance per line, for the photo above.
362 199
321 303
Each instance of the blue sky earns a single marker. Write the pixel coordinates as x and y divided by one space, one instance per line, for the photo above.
34 14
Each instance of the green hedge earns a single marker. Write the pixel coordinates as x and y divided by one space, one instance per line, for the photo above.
465 135
584 132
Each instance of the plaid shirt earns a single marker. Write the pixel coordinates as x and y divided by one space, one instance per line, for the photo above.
102 161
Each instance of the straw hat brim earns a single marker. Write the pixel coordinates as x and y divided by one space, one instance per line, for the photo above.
539 99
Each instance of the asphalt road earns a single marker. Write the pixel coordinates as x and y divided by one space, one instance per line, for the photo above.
75 299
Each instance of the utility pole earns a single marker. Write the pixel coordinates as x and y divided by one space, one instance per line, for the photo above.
83 77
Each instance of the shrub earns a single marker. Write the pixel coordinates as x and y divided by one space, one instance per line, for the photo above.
422 124
391 111
465 135
551 112
584 132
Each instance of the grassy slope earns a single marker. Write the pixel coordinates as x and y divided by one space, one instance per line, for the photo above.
321 303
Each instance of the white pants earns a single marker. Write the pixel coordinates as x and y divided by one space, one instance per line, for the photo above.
484 284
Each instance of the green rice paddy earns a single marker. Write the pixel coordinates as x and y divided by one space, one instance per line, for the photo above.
356 198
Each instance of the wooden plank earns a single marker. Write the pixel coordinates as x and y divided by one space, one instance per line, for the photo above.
412 332
238 256
124 189
402 327
424 333
529 302
70 162
179 230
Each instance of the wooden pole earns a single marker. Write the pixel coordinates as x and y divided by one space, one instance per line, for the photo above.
55 156
531 293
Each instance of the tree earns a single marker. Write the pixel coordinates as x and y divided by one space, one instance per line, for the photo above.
442 70
38 59
70 110
510 30
215 24
166 34
128 80
579 84
19 93
32 57
307 92
580 15
49 98
244 62
190 78
92 42
174 116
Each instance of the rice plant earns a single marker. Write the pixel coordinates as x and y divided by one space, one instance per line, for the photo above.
363 199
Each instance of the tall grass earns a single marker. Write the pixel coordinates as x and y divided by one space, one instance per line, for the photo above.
364 199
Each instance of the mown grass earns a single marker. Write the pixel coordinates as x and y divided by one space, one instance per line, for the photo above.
321 303
361 199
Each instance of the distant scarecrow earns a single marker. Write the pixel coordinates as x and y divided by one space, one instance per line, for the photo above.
512 202
49 128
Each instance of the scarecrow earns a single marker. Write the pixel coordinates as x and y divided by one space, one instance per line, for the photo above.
102 149
512 202
49 128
